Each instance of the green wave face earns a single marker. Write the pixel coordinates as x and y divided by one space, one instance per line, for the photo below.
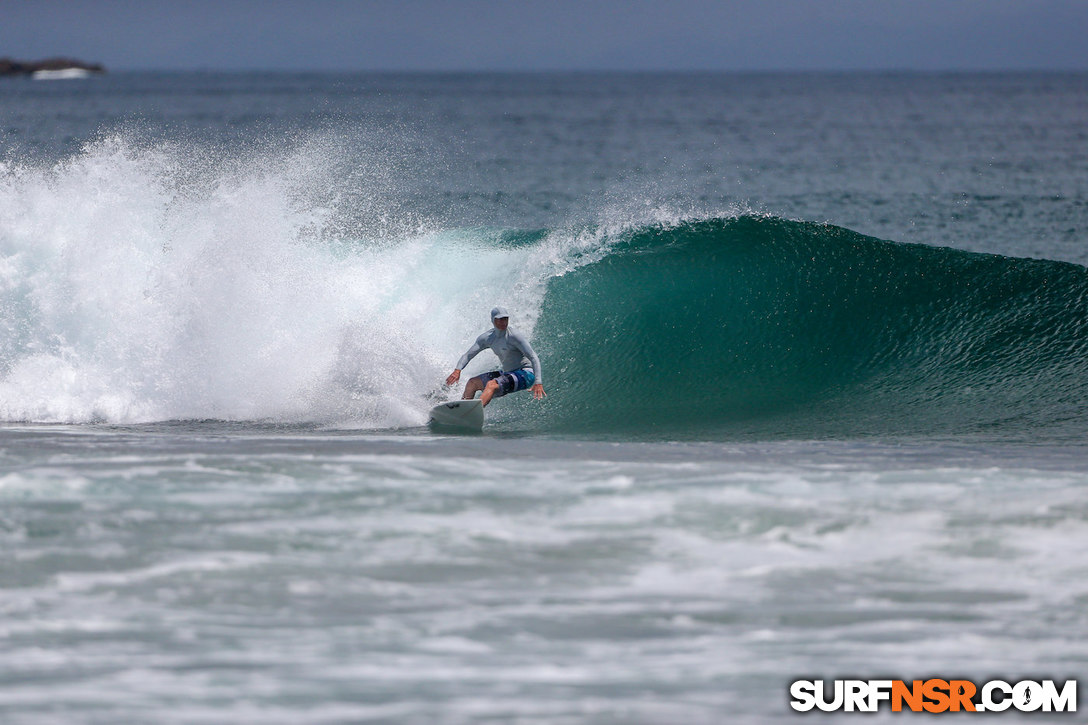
772 327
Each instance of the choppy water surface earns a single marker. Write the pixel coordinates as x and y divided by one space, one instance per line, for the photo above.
189 572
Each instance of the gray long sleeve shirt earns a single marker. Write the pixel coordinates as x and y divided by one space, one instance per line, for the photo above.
513 349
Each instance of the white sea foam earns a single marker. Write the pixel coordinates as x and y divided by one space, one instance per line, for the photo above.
150 282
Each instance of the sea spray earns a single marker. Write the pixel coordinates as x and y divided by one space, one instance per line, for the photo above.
135 288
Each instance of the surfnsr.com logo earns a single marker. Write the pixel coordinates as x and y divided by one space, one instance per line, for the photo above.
933 696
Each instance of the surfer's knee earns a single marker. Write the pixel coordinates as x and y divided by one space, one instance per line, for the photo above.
492 386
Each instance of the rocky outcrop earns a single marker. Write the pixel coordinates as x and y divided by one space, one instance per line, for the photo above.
10 67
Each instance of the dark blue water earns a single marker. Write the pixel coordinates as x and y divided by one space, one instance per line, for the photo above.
989 162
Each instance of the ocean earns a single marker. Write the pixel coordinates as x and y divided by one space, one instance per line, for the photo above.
815 349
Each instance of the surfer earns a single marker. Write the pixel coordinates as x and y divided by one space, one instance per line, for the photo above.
520 365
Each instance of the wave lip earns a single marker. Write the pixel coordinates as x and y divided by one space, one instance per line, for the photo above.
802 329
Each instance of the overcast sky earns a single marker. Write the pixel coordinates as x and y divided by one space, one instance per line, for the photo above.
551 34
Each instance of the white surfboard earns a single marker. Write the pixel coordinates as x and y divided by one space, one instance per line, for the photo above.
467 414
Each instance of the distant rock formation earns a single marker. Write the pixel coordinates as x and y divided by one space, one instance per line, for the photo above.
10 67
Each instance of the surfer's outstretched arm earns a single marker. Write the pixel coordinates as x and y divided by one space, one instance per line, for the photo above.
480 345
476 349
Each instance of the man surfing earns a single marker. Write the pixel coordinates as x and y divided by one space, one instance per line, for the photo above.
520 365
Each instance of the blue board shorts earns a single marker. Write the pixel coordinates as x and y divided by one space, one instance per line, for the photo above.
509 382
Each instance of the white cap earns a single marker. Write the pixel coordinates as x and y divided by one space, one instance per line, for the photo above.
497 312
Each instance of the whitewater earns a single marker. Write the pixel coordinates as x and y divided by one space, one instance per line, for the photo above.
815 351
